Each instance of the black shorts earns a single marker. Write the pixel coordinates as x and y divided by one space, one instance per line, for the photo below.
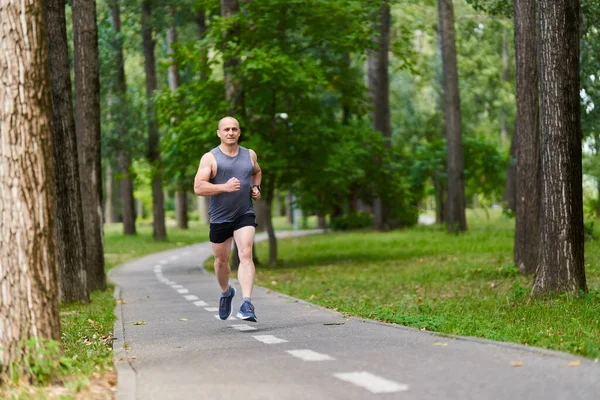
221 232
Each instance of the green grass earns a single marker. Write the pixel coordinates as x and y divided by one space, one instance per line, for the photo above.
428 279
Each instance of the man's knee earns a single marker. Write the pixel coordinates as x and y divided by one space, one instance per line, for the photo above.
221 259
245 253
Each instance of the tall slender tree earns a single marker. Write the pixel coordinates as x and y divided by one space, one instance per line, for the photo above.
181 198
158 202
87 120
125 159
561 263
455 207
28 273
379 89
527 137
70 239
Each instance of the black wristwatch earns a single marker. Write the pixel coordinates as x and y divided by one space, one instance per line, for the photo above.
256 186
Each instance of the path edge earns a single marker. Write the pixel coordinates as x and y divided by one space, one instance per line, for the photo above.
126 380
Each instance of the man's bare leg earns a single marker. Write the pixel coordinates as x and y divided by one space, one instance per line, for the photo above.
222 268
244 237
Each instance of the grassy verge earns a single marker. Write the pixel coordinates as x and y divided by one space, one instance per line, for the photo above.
425 278
86 330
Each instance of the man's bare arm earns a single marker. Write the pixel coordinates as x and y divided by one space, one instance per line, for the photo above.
256 173
202 186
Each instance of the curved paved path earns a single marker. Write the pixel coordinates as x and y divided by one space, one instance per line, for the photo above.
169 345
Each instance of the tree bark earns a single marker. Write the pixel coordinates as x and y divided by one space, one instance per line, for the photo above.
158 201
201 23
505 71
181 207
70 239
378 82
561 263
108 201
87 112
527 226
269 191
126 180
233 91
455 217
510 188
29 272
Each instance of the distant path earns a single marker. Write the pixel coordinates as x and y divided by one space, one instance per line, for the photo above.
426 219
169 345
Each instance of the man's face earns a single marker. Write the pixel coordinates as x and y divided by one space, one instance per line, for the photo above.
229 131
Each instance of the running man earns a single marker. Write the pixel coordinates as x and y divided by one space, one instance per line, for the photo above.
230 175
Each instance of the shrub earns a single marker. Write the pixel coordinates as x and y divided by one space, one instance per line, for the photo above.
356 220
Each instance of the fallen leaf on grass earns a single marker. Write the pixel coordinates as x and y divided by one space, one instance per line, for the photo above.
183 319
312 296
121 301
516 364
273 282
574 364
140 323
440 344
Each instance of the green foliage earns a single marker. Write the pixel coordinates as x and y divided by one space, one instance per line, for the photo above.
502 8
351 221
42 362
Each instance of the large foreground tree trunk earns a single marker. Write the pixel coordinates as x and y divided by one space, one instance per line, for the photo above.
126 180
158 202
379 87
70 239
561 266
527 137
87 91
28 269
455 206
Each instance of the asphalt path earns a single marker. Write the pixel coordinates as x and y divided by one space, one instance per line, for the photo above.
170 344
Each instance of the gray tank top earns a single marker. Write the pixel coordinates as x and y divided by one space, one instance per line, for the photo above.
227 207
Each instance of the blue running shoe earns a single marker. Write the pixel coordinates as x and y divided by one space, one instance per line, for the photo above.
246 312
225 309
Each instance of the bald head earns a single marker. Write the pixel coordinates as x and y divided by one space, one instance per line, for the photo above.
228 120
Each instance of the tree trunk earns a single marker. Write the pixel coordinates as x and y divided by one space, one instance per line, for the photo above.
204 67
378 82
561 263
203 203
70 239
269 191
289 209
126 180
440 201
260 208
29 273
505 77
527 224
108 200
181 209
510 188
127 199
158 201
87 112
233 91
455 217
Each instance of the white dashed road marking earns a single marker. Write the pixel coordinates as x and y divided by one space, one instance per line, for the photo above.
173 258
182 291
269 339
211 309
190 297
309 355
163 262
228 319
243 327
372 383
199 303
